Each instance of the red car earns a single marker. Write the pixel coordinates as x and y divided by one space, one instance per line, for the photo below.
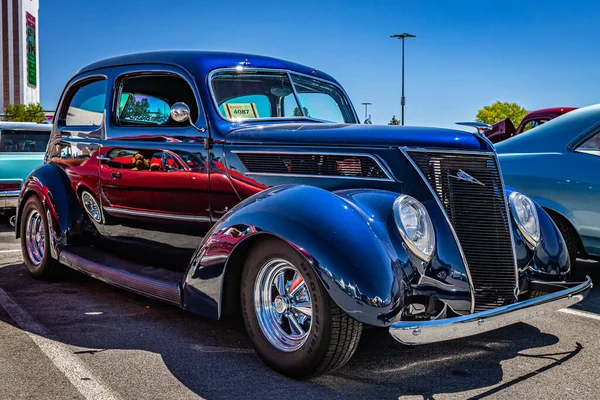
504 129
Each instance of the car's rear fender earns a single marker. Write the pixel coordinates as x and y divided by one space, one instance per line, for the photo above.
52 186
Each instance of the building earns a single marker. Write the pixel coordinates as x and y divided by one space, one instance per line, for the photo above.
19 56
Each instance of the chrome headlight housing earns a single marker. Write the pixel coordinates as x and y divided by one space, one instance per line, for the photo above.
415 226
525 214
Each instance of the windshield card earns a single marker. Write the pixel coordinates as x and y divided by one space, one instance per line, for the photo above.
241 110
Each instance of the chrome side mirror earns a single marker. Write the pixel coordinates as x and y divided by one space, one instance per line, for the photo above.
180 112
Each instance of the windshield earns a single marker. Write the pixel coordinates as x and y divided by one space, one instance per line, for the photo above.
23 141
242 95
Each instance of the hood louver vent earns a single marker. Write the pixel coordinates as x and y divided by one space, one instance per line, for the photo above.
313 164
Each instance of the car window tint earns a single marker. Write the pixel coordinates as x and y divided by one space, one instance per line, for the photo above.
321 100
252 95
147 100
592 145
12 141
86 107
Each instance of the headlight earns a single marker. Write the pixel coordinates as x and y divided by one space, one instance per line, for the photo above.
524 212
415 226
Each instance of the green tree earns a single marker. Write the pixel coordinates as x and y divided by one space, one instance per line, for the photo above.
297 112
32 112
394 121
499 111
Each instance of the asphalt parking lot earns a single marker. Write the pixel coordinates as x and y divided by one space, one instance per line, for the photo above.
84 339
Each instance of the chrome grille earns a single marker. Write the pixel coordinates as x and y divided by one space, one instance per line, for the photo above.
477 211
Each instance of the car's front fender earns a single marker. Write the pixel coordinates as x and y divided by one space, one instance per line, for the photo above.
550 258
350 250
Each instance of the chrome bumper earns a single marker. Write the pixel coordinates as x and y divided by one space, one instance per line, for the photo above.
422 332
9 199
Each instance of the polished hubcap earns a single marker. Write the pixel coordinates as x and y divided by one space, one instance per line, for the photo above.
91 205
35 232
283 305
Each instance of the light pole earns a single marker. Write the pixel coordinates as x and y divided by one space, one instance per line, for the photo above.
366 106
402 37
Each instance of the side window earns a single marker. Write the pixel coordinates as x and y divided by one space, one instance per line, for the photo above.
147 100
86 107
533 124
591 146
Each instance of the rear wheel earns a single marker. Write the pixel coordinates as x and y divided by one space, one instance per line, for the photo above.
35 243
294 325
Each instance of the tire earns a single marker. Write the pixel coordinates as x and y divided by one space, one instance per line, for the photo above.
331 336
35 243
569 235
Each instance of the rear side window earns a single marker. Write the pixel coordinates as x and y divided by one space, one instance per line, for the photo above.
86 107
147 100
12 141
591 146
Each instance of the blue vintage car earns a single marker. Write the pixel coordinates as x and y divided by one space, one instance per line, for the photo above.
22 149
240 186
557 164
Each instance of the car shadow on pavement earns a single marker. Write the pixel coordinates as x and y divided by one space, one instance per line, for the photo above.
215 361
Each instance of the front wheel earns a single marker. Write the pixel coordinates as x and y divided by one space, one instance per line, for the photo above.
294 325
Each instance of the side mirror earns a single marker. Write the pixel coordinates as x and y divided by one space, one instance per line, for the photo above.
368 121
180 112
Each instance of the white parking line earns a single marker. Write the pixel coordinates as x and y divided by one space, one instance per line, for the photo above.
61 356
579 313
10 251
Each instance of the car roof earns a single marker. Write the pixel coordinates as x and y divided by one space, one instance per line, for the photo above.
202 62
554 135
30 126
551 110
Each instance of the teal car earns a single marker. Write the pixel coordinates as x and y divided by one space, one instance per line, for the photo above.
558 165
22 149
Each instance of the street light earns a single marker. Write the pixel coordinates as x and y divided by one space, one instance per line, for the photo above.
366 106
402 37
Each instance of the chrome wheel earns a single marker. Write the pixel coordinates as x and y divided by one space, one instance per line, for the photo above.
283 305
35 234
91 206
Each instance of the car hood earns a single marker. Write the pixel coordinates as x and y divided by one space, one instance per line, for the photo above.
356 135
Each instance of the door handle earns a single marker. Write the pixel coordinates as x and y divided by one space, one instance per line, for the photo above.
116 175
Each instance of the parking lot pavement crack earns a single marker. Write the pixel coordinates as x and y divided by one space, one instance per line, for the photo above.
88 385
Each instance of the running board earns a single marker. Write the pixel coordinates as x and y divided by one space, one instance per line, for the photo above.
157 283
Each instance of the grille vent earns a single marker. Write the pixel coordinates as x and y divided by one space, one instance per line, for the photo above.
337 165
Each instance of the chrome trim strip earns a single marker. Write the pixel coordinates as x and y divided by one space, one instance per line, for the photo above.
282 70
10 193
159 215
432 331
441 206
423 150
380 164
509 217
296 94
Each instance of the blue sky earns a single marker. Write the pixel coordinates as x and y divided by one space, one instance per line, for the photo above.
467 54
